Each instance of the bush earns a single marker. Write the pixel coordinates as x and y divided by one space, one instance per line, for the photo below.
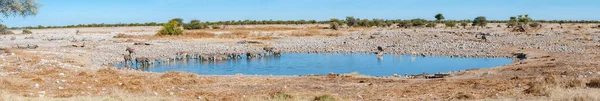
178 20
324 98
450 23
282 96
430 24
418 22
535 24
334 25
25 31
170 28
194 24
405 24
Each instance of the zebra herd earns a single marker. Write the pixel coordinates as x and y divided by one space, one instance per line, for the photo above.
145 61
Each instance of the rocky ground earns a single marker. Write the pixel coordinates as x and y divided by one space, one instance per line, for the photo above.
561 62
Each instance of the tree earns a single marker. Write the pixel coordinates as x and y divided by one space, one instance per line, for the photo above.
439 17
12 8
351 21
480 21
512 22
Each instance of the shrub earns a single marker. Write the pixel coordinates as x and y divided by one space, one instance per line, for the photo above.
194 24
405 24
170 28
334 25
535 24
282 96
25 31
480 21
464 24
324 98
450 23
594 83
418 22
216 27
430 24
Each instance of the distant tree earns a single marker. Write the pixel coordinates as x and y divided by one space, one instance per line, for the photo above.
351 21
171 28
524 20
480 21
439 17
512 22
450 23
178 20
464 24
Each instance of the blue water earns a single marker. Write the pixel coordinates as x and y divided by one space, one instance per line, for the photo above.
340 63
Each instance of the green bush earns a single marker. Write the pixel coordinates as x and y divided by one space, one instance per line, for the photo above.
282 96
418 22
178 20
405 24
450 23
171 28
194 24
25 31
512 22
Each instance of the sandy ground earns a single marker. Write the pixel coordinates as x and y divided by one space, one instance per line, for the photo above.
561 64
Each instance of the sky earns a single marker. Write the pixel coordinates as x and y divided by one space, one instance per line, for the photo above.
69 12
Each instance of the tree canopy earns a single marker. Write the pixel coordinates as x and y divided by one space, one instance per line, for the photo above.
439 17
13 8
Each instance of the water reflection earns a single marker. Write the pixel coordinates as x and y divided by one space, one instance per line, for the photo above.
303 64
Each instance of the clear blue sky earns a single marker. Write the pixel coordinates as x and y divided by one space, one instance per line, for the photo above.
66 12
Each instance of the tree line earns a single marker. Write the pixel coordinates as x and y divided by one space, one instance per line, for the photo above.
350 21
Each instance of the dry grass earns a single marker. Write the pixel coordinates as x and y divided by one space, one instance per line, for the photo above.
538 89
235 35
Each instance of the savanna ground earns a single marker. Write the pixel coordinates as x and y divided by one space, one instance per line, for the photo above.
561 64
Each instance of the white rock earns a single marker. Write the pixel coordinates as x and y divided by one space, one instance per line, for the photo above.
61 74
171 93
36 86
155 94
59 87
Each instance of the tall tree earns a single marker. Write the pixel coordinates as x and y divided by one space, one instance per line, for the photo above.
12 8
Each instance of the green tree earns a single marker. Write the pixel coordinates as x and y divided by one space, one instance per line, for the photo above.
439 17
171 28
480 21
